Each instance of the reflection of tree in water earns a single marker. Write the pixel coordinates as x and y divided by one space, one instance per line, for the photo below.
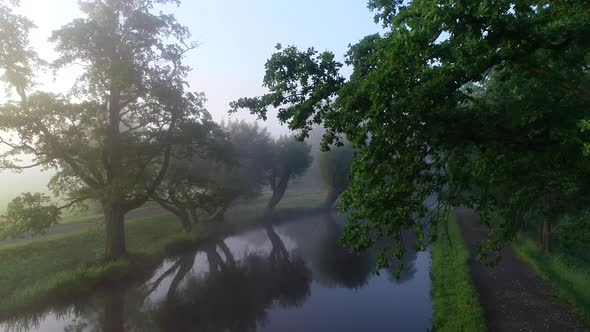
286 272
114 311
408 260
234 295
409 267
104 312
335 264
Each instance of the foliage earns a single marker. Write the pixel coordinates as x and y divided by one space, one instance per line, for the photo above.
456 302
290 160
551 173
253 150
572 240
414 104
17 58
28 213
585 126
233 163
112 138
570 283
308 80
335 167
187 184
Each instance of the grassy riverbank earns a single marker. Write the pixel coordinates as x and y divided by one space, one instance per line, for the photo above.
66 265
70 263
570 283
456 302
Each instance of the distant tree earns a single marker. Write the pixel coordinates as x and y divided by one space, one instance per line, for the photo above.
17 59
28 213
291 159
253 150
233 161
188 185
113 140
335 167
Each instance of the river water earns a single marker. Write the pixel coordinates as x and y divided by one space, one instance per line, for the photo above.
290 277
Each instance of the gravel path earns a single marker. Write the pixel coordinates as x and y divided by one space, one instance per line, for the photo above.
513 297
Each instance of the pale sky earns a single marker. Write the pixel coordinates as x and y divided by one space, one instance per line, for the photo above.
236 37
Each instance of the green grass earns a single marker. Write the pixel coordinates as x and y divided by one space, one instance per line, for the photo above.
571 284
456 302
78 218
70 264
71 217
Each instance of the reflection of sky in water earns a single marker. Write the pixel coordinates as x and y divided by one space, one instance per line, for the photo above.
338 301
378 306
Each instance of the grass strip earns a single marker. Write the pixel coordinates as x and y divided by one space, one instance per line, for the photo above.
455 299
570 283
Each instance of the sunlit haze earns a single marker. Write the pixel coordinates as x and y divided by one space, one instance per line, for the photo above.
236 38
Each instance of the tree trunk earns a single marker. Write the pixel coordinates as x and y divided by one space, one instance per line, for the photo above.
185 220
546 225
229 257
218 215
186 264
114 307
331 197
114 216
216 263
278 193
540 233
194 216
546 236
181 213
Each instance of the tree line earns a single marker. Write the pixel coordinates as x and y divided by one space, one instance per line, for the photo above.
130 131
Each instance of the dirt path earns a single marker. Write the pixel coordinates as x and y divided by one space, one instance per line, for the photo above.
512 296
68 228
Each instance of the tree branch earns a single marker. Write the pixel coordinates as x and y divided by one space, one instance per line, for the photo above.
72 203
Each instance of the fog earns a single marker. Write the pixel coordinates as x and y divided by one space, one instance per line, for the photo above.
227 65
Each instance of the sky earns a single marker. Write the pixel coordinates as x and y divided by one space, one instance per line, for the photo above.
236 37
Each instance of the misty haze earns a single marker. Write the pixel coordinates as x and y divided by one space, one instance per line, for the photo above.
375 165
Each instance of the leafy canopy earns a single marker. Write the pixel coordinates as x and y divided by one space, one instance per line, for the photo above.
112 137
410 108
28 213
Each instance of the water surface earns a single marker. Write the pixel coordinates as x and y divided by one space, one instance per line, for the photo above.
291 277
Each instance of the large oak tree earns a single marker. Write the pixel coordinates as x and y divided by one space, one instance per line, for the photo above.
111 138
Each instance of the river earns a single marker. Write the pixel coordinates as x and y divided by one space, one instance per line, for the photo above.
289 277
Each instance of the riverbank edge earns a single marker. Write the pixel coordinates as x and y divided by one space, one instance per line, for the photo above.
59 290
569 284
456 305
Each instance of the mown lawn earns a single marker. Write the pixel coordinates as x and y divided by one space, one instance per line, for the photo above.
571 283
456 302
